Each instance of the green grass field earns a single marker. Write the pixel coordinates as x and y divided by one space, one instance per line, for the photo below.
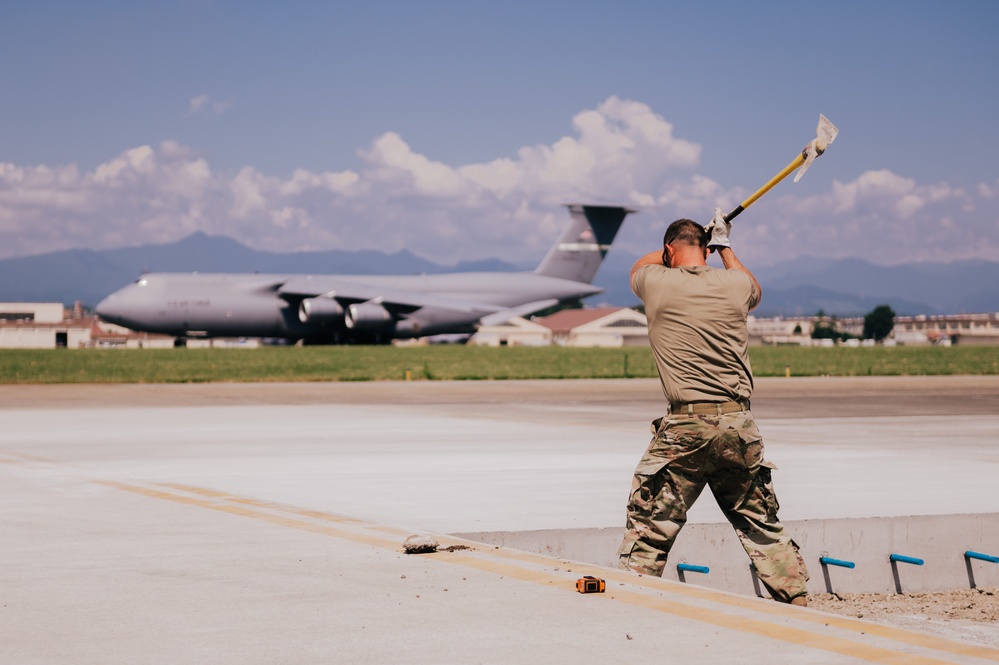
364 363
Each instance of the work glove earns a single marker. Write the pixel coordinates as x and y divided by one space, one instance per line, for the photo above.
718 230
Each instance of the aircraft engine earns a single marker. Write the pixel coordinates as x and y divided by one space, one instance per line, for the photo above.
369 316
320 310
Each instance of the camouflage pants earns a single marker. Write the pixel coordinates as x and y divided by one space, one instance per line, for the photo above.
724 452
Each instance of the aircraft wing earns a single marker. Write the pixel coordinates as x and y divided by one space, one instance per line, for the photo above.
502 316
400 300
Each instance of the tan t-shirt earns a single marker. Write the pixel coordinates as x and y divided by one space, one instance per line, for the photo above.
697 328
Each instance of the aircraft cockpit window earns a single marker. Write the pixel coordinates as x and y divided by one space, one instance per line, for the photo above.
141 281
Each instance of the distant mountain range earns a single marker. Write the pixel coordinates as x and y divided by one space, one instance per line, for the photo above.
847 287
802 287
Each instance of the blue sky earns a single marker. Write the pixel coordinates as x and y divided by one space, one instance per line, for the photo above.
455 129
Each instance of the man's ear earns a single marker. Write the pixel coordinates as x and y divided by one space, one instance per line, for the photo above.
667 255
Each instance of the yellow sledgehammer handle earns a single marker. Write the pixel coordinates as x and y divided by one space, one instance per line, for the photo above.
825 134
798 161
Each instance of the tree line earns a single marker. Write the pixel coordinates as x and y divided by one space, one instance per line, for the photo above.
878 324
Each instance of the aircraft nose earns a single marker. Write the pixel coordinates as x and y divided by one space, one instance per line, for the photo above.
106 309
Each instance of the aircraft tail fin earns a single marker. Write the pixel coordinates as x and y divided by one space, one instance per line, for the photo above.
578 252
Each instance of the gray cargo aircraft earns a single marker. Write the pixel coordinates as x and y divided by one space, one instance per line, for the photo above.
338 309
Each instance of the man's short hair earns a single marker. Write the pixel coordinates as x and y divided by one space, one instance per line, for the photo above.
686 232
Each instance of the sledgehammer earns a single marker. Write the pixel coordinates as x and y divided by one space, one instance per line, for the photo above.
825 134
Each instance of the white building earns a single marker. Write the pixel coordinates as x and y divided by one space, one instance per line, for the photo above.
779 330
28 312
605 327
51 326
515 332
963 329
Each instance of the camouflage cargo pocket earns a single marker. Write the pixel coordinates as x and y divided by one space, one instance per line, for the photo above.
751 444
765 482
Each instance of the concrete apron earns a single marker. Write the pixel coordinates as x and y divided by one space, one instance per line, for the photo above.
939 541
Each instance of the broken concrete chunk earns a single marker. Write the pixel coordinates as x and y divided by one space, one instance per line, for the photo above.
420 545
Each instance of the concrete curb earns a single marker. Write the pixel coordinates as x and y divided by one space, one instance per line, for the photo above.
940 541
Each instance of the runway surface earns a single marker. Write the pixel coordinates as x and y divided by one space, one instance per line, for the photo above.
262 522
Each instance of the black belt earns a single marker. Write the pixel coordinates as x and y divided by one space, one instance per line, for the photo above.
707 408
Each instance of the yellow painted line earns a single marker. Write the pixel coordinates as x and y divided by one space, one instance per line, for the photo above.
753 626
752 604
295 510
774 631
768 607
256 514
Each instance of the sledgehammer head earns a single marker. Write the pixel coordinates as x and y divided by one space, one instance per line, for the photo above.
825 134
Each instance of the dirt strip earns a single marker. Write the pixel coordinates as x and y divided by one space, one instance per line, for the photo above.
965 614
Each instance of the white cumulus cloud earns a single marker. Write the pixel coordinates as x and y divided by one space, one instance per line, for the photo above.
205 104
621 151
